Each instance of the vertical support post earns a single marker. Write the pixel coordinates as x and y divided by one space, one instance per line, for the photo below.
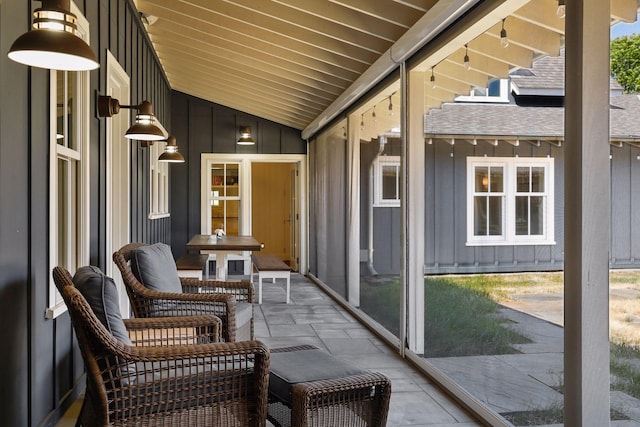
353 211
587 214
414 161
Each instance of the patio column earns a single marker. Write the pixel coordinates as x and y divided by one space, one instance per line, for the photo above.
353 211
414 163
587 214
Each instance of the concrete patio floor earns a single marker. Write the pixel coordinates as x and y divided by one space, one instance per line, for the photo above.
314 318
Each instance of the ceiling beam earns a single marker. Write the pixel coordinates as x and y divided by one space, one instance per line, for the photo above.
401 14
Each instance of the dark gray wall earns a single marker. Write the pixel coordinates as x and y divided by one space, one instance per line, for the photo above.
204 127
40 363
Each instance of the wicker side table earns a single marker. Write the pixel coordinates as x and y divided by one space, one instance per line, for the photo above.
309 387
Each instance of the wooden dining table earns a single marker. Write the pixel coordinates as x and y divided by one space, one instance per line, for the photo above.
222 246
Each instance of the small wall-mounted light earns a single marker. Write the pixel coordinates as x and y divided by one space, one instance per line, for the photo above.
432 79
53 42
245 136
144 128
171 154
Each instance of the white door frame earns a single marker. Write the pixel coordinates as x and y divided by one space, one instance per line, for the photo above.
117 176
245 161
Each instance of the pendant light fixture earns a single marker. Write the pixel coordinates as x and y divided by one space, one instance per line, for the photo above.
53 42
467 64
432 79
144 128
245 136
390 106
562 11
171 154
504 41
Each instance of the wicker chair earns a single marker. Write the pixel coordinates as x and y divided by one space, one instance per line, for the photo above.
230 301
155 382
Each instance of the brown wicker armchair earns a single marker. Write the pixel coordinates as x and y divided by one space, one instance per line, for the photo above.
232 302
155 382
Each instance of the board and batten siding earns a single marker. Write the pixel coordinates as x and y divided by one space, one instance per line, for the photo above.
41 365
446 250
201 127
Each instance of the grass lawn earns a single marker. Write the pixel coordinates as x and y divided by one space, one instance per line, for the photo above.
461 316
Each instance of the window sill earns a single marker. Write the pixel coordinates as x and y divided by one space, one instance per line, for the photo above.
512 243
55 311
158 215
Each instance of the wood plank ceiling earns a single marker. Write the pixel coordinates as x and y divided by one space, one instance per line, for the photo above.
288 60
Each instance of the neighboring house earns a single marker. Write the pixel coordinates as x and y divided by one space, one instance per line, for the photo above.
495 180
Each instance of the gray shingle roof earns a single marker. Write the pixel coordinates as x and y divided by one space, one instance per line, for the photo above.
547 74
511 121
526 122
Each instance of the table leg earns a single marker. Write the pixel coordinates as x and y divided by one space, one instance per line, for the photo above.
221 265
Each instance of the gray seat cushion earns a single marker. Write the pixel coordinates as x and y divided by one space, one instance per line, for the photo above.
293 367
154 267
102 295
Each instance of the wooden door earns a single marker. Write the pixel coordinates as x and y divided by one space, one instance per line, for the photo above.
271 207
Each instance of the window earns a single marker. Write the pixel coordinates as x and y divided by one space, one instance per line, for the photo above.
69 172
509 201
159 182
225 197
387 181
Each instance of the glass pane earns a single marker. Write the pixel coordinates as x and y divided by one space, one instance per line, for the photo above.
537 179
389 180
72 114
522 215
63 214
522 180
217 178
482 179
232 180
495 216
480 216
537 216
497 178
380 267
233 216
60 107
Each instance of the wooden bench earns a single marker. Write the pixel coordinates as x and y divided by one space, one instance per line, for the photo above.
269 267
191 265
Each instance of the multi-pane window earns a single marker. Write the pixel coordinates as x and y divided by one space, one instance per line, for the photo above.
69 172
387 181
225 197
159 182
510 201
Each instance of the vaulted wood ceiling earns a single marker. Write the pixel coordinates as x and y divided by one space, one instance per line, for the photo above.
288 60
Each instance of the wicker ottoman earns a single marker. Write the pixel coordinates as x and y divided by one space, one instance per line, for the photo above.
309 387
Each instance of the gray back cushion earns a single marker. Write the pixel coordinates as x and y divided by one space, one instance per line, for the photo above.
102 295
154 267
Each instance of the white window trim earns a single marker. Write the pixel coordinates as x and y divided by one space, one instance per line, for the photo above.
158 183
379 163
509 237
81 156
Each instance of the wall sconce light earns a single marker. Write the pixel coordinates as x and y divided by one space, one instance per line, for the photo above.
171 154
245 136
53 42
144 128
432 79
